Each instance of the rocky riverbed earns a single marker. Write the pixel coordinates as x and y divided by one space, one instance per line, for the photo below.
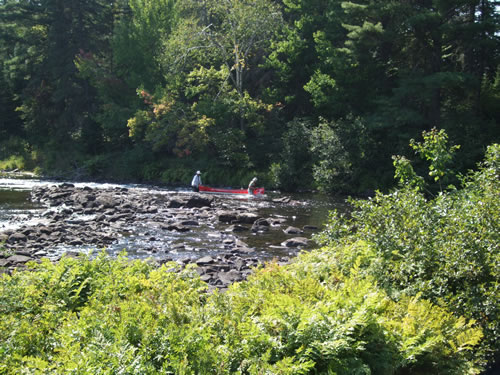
82 218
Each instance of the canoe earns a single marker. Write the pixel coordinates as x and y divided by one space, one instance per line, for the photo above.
206 189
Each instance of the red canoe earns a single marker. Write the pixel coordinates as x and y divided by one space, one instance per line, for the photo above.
206 189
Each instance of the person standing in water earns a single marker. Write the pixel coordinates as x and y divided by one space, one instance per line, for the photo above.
251 185
196 182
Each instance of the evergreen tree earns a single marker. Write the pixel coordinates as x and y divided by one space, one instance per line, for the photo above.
55 104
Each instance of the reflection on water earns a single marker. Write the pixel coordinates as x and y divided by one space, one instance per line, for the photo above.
142 241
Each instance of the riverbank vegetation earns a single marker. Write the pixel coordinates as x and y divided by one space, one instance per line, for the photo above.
305 93
116 316
408 283
443 248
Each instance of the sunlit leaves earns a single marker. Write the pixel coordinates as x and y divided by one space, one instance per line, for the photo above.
445 248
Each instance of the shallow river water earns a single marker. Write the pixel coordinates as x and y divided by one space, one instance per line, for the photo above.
16 210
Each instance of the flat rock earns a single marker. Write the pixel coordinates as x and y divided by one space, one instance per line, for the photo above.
205 260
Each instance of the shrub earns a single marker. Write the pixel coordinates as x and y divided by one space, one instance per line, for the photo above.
13 162
445 248
108 316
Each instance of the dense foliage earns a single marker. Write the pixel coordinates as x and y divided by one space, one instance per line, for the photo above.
109 316
444 248
307 93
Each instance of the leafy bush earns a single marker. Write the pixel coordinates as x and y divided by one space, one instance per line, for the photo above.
108 316
13 162
444 248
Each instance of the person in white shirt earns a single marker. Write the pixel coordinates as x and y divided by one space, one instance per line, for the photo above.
251 185
196 182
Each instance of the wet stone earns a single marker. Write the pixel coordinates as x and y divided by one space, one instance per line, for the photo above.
293 230
295 242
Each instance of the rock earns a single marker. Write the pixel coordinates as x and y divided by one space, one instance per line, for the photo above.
25 253
293 230
17 237
177 227
295 242
310 227
107 201
240 243
193 223
205 260
240 264
276 222
227 216
175 203
229 277
236 228
71 254
259 228
40 254
4 263
118 217
44 229
197 200
247 218
18 259
282 200
262 222
59 195
260 225
178 246
206 278
112 213
242 250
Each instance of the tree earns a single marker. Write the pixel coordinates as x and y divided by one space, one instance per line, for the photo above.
140 28
241 32
211 94
303 58
54 103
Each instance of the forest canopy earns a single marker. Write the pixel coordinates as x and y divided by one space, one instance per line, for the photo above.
304 93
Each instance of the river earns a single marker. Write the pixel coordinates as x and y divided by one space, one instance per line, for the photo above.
304 210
